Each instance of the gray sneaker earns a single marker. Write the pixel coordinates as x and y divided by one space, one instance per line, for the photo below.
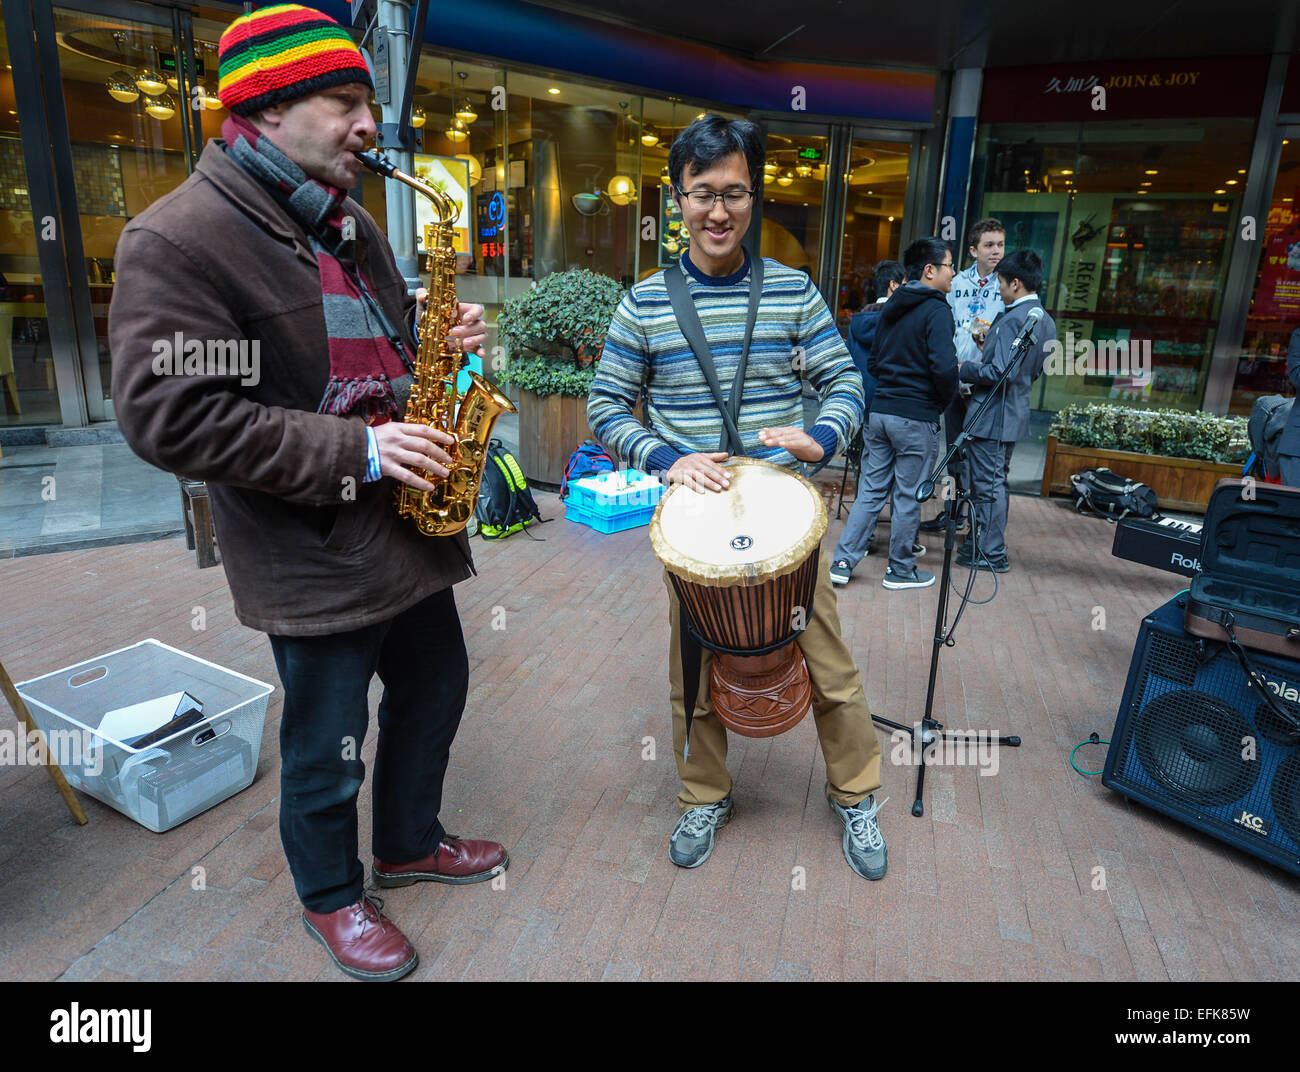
692 840
840 571
864 844
916 579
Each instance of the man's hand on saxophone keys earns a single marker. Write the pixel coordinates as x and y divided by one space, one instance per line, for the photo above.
470 332
402 445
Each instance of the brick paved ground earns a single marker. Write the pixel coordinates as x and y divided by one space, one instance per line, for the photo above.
995 882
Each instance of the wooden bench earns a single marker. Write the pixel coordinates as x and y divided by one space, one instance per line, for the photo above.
199 536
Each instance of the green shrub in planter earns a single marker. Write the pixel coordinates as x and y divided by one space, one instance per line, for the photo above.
554 333
1170 432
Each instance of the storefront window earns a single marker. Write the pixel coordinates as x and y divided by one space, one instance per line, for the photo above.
1132 221
1275 302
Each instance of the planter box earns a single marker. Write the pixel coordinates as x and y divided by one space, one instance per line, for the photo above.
550 428
1179 483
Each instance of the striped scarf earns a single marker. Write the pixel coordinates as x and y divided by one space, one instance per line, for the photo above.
368 368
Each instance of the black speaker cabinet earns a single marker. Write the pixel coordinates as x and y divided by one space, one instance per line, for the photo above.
1195 740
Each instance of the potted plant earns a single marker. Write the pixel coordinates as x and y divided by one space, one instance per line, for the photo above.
1180 455
553 336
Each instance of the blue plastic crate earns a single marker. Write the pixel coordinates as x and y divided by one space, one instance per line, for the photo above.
605 493
616 521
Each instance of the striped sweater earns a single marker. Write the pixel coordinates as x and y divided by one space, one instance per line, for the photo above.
645 351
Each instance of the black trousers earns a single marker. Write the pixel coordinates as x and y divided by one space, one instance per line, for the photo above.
421 659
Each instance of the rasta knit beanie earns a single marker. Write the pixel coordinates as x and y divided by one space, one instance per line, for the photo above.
282 52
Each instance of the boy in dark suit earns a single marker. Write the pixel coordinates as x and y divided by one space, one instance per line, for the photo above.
994 434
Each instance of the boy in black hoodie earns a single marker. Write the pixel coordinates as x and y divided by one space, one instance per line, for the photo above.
915 366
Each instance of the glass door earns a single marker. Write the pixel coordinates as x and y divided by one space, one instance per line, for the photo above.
28 391
875 190
138 88
794 197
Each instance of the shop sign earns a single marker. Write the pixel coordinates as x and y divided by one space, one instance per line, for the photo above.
1151 89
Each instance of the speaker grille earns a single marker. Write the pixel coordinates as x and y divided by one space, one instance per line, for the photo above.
1274 729
1177 659
1194 740
1195 746
1286 796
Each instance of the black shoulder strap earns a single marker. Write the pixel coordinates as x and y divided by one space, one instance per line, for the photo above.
688 319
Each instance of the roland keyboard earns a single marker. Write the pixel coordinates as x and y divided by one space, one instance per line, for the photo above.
1160 542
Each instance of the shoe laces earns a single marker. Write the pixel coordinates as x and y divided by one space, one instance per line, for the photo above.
694 822
842 563
370 909
862 823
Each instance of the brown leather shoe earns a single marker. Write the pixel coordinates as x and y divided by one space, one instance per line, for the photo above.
454 860
362 941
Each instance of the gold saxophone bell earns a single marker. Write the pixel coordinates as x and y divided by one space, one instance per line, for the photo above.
446 509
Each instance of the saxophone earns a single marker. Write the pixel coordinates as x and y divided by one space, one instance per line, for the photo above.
447 509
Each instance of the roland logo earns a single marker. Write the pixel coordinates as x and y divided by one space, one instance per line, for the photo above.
1183 562
1284 690
1251 822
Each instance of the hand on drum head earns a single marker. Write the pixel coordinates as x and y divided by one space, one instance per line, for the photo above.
795 440
700 472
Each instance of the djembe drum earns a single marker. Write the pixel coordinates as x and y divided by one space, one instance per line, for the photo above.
744 565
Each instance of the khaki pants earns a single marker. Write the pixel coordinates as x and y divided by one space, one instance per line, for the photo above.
849 743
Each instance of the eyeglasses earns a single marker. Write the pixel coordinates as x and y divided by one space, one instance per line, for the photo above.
947 264
706 199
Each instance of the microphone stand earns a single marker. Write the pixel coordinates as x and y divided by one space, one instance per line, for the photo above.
929 729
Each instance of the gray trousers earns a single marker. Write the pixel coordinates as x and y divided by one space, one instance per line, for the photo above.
1290 466
898 454
990 461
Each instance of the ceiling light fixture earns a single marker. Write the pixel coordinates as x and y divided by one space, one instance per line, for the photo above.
785 178
648 137
457 133
466 111
163 107
121 87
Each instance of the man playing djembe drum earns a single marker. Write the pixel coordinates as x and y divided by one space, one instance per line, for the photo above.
716 168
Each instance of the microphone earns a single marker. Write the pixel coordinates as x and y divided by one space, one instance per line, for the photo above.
1027 330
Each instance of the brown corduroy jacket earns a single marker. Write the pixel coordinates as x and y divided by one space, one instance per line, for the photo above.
220 359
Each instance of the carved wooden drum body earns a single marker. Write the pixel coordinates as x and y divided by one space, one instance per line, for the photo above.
744 564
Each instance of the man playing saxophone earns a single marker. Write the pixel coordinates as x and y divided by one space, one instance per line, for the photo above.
260 251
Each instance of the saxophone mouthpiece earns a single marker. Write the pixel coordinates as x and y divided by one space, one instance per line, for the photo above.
375 162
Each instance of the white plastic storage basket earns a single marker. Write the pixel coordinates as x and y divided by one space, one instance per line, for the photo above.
173 778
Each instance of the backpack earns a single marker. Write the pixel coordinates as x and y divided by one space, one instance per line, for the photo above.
505 505
1112 496
1268 417
589 458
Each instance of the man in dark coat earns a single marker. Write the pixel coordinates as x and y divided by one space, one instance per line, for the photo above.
1006 420
273 362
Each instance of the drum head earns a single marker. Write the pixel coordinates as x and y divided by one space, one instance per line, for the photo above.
763 526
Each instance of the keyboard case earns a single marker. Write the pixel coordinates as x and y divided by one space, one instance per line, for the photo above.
1250 568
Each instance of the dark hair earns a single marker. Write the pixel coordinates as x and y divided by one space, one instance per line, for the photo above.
982 227
1025 265
882 275
922 252
712 139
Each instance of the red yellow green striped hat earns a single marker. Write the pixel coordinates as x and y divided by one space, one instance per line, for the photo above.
282 52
